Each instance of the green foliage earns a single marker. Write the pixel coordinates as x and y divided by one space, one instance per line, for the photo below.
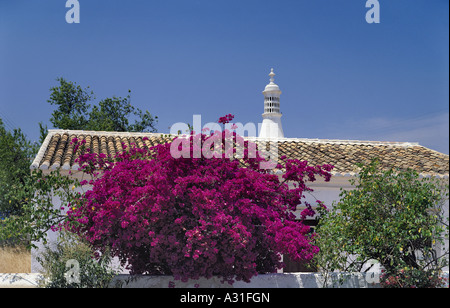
72 105
111 114
394 217
38 213
73 264
16 156
43 132
413 278
26 200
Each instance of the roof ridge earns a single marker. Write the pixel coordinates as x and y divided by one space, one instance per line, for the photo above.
55 151
306 140
310 140
101 133
285 139
336 141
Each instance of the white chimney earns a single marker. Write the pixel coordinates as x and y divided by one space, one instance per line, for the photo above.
271 125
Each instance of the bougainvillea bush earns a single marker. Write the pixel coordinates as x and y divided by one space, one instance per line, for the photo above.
413 278
194 217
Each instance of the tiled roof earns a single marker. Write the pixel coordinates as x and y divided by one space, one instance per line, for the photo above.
57 152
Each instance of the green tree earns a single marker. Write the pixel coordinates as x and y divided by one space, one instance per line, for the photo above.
38 213
89 269
72 105
16 156
111 114
26 197
395 217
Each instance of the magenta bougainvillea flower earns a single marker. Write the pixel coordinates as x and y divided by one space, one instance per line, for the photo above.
226 119
195 217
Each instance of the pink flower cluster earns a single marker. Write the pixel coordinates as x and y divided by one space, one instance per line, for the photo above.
226 119
412 278
195 217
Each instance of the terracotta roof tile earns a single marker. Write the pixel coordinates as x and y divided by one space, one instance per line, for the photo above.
57 151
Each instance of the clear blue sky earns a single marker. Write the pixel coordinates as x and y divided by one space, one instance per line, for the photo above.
341 77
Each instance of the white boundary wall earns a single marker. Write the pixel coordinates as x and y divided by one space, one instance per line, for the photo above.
279 280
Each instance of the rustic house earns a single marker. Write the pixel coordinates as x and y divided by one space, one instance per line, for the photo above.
57 152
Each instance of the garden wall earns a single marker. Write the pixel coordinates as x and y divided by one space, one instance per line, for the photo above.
279 280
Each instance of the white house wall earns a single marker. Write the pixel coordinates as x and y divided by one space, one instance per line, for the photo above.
327 192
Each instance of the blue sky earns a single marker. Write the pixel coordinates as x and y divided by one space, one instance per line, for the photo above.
341 77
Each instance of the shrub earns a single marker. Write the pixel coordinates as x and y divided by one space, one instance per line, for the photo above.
412 278
195 217
73 264
393 216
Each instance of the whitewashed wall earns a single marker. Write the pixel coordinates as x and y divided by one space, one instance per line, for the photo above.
285 280
328 192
